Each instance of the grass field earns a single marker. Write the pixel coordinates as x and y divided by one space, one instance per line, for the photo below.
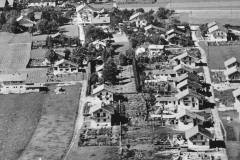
218 54
56 126
19 116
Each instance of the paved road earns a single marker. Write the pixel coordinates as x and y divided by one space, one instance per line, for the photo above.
79 120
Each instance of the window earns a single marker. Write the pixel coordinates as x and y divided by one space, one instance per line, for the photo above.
104 120
98 120
98 114
194 143
203 143
104 114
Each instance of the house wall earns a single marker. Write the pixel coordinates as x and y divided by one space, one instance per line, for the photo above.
217 36
189 61
235 76
102 118
189 102
65 70
39 4
105 96
6 89
199 140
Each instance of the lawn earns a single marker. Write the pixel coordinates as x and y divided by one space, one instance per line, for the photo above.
218 54
19 117
55 129
233 143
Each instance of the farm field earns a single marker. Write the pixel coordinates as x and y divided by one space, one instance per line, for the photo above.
218 54
19 117
55 129
15 51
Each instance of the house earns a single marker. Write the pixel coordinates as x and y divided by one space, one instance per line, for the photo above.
188 120
104 93
198 138
151 29
216 32
64 66
174 32
159 75
97 113
187 59
17 83
189 76
188 84
182 69
87 14
155 50
102 115
232 74
138 20
42 3
189 99
99 44
231 62
5 3
25 22
168 102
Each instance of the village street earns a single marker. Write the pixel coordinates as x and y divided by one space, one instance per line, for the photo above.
79 120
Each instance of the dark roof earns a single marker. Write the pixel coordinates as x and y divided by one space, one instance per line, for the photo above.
40 1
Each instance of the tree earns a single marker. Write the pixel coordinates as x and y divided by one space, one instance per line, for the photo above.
110 71
140 10
163 13
41 25
94 78
67 53
122 59
51 56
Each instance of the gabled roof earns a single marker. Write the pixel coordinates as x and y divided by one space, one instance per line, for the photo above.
153 46
230 61
25 22
101 88
211 24
190 114
84 6
3 3
40 1
13 77
184 67
190 75
236 92
186 54
154 27
65 61
163 99
198 129
232 70
215 26
188 92
159 72
135 15
189 83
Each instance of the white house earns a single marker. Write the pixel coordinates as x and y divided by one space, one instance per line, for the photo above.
104 93
182 69
232 74
155 50
42 3
231 62
64 66
198 138
216 32
138 20
188 119
87 14
16 83
97 113
189 99
187 59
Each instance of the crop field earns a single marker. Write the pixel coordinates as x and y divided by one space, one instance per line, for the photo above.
15 51
55 129
19 117
218 54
